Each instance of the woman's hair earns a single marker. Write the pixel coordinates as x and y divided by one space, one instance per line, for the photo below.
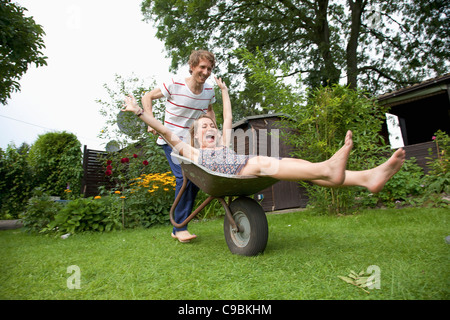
194 142
195 57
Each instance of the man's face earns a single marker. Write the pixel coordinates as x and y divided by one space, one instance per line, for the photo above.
202 71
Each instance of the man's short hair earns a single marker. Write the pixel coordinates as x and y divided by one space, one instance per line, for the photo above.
194 58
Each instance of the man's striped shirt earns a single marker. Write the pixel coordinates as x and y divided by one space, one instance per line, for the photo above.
182 106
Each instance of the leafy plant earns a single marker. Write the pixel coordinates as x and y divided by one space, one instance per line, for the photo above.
149 199
16 181
85 214
437 180
404 188
360 280
56 161
39 212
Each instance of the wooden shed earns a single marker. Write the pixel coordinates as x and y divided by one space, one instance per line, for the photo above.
261 135
423 109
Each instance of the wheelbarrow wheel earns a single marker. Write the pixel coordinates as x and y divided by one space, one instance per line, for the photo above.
250 218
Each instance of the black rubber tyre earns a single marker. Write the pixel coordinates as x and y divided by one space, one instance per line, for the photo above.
253 228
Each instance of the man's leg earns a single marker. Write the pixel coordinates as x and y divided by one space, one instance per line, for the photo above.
184 207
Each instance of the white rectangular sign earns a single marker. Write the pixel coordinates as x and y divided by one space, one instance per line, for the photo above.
395 132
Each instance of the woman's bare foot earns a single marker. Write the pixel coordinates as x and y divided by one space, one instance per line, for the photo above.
338 162
381 174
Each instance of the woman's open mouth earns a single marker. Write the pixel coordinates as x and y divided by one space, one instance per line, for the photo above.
210 137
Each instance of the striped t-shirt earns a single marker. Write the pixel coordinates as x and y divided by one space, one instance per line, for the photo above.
182 106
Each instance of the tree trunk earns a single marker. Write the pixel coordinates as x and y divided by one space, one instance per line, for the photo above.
331 73
356 8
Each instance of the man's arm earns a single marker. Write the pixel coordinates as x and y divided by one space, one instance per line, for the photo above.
210 113
147 103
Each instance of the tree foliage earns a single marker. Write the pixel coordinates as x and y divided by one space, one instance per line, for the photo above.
21 40
374 45
16 180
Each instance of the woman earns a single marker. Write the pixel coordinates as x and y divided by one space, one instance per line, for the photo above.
209 148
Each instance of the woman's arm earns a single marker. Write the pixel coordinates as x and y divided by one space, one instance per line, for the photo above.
227 113
172 139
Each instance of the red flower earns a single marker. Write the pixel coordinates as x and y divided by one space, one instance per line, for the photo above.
135 155
108 162
145 162
125 160
109 168
108 172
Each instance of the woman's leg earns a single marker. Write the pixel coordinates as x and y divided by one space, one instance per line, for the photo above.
331 171
373 179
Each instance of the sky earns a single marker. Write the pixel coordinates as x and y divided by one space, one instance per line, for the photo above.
87 43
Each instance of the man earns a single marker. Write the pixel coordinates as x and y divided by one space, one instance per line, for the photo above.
187 99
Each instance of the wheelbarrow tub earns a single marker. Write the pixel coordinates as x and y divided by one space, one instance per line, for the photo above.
219 184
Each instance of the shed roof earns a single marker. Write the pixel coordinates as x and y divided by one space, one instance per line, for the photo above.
417 91
257 117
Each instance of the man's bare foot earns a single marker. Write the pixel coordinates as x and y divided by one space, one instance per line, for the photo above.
338 162
183 236
381 174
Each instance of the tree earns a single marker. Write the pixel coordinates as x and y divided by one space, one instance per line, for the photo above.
56 161
374 45
16 180
20 44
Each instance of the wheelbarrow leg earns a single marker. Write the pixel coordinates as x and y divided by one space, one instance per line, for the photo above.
229 215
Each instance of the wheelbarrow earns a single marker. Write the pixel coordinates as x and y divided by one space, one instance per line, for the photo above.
245 225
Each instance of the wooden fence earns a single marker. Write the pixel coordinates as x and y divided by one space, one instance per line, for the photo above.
421 153
94 172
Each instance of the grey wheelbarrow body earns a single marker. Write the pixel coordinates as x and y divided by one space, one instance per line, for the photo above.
245 226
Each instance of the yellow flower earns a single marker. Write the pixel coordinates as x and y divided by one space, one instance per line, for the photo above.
123 197
97 197
117 192
166 189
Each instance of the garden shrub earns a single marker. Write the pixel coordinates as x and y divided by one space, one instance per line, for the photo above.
149 199
86 214
437 180
16 181
39 212
321 126
402 189
56 161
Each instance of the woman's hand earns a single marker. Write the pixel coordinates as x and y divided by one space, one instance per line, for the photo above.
221 84
130 104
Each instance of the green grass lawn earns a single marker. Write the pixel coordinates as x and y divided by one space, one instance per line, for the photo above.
304 258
